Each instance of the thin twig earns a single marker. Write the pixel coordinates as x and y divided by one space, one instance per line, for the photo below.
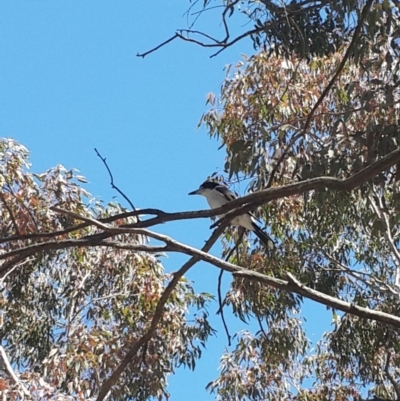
261 326
221 307
143 55
221 302
113 186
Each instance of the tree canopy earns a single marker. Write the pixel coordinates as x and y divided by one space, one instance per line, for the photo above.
310 124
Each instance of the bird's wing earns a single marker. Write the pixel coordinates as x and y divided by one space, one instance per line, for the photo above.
229 195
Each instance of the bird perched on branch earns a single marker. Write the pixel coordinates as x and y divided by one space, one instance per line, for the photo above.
218 195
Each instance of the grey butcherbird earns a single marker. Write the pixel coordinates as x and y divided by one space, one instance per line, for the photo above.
218 195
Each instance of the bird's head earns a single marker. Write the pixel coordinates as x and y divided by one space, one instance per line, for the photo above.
204 188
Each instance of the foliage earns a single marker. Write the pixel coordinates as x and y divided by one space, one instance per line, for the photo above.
69 315
86 305
307 28
344 245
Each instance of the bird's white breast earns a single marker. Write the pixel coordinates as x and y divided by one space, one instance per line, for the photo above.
215 200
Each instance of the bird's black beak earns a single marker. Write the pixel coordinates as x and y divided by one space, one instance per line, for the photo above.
193 192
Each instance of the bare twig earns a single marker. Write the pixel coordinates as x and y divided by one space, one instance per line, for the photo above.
221 45
224 43
143 55
113 186
260 325
221 302
221 307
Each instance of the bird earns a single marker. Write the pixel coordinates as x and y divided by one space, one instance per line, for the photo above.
218 195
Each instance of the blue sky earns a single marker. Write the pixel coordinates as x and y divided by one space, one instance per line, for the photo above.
70 81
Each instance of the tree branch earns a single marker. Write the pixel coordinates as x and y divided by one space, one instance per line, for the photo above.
325 92
223 44
290 285
242 204
346 56
12 217
142 212
235 208
113 186
255 199
380 212
12 373
107 385
392 380
143 55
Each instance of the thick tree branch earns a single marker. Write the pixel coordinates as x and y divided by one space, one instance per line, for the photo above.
290 285
107 385
235 208
255 199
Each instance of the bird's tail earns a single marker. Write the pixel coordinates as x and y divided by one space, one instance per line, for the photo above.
264 237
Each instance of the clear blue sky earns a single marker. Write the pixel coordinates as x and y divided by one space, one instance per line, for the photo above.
70 81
